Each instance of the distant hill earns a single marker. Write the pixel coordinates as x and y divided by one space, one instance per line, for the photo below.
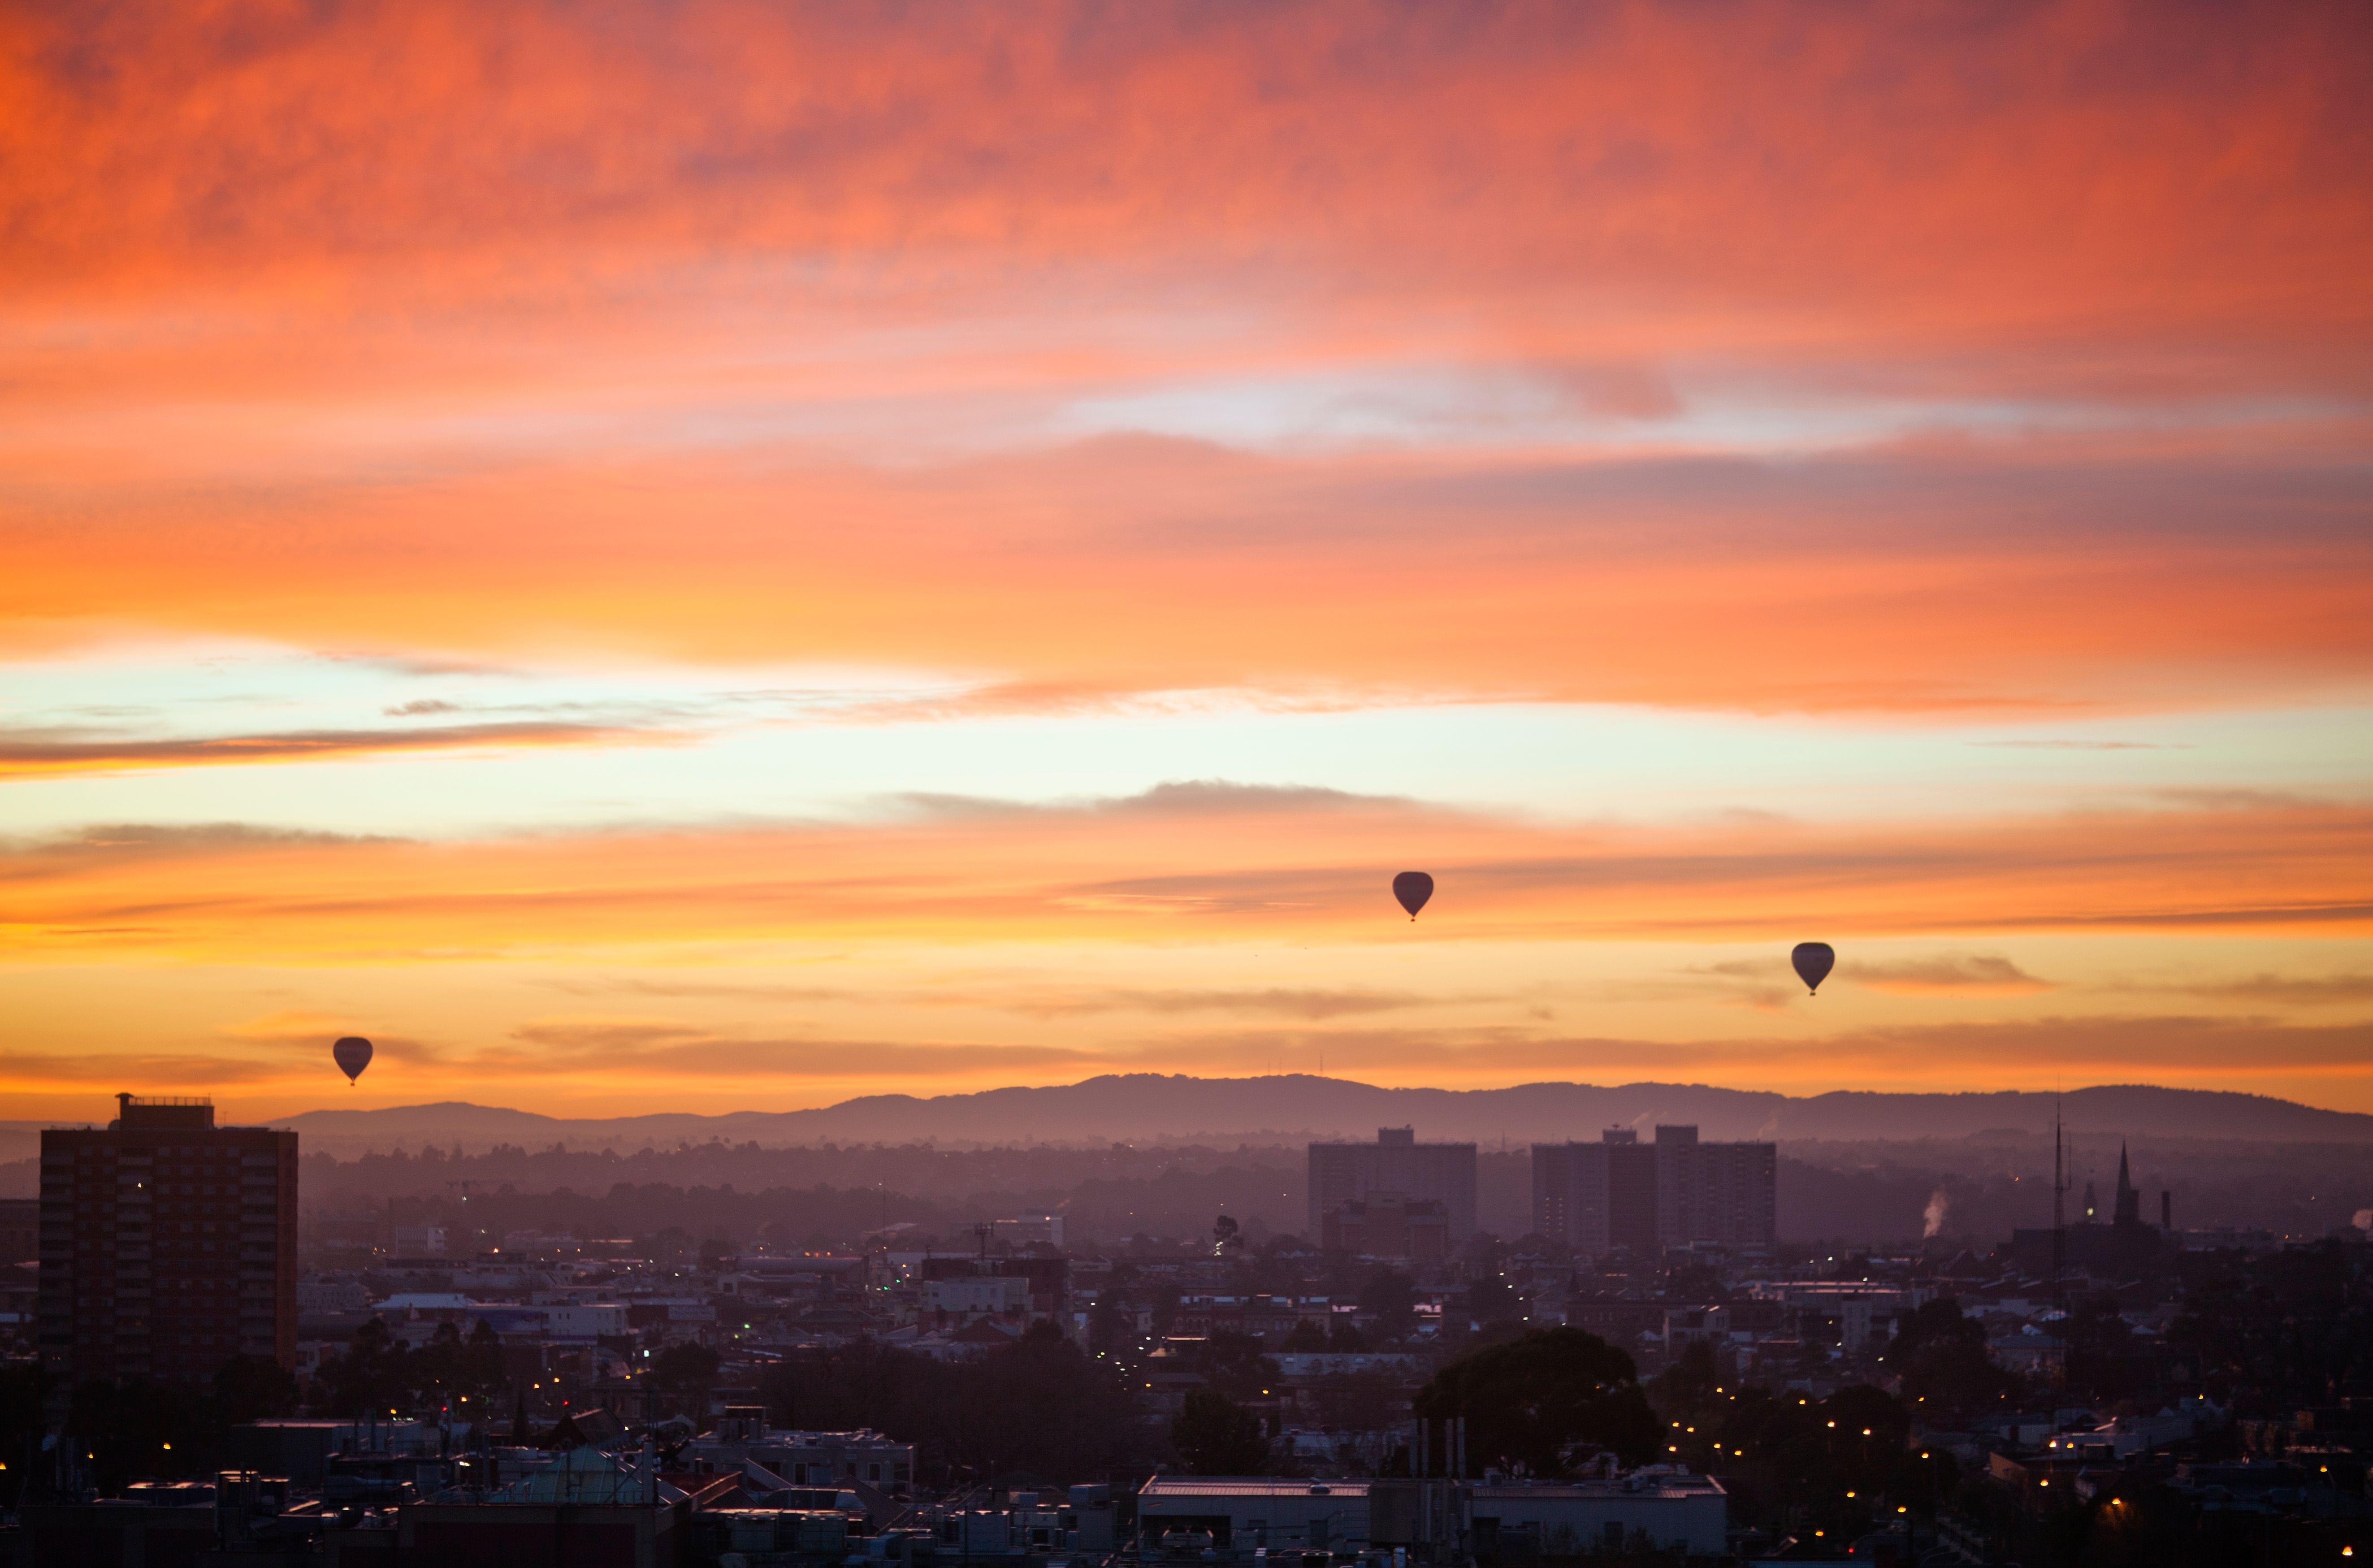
1150 1107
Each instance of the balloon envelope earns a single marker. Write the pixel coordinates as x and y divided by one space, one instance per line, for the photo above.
1412 888
352 1054
1814 960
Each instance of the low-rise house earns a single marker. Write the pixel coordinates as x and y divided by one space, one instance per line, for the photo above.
957 1302
2124 1436
807 1458
2245 1486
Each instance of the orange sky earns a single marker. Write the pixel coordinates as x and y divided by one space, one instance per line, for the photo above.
582 542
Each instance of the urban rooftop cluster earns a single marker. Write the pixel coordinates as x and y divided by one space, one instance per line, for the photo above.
209 1373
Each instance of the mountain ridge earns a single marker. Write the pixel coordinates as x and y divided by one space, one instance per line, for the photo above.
1293 1107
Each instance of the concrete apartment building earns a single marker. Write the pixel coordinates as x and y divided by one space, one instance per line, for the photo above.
1386 1225
167 1244
1394 1166
1619 1192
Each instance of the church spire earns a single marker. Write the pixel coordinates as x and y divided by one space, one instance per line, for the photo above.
2130 1201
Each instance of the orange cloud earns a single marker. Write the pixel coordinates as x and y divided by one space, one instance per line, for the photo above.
154 1071
2085 162
1084 575
683 327
1195 863
658 1049
1951 974
21 753
2292 990
288 1025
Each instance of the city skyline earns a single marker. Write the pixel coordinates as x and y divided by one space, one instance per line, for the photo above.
717 558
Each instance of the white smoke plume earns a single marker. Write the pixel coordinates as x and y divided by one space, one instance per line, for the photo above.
1934 1213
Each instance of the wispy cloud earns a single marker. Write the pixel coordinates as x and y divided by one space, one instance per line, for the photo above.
307 1034
111 849
1949 974
1033 998
25 753
633 1048
2291 991
1226 864
291 1023
1312 1005
154 1071
1201 798
2072 745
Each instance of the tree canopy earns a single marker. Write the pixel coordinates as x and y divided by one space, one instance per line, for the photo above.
1546 1402
1216 1436
378 1372
1941 1356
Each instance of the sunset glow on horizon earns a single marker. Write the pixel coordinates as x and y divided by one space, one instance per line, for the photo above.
714 556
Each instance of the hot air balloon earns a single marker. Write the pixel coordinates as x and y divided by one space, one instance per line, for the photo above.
1412 888
1814 960
352 1054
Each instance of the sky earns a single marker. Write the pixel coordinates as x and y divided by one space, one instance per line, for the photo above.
707 557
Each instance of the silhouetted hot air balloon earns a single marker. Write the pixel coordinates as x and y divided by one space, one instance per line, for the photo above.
352 1054
1412 888
1814 960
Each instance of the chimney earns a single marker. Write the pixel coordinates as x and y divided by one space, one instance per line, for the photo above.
2166 1210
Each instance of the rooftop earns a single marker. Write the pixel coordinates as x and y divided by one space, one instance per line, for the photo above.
1250 1486
587 1476
179 1113
1646 1484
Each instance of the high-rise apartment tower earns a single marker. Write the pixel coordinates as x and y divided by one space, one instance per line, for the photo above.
1619 1192
168 1245
1398 1165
